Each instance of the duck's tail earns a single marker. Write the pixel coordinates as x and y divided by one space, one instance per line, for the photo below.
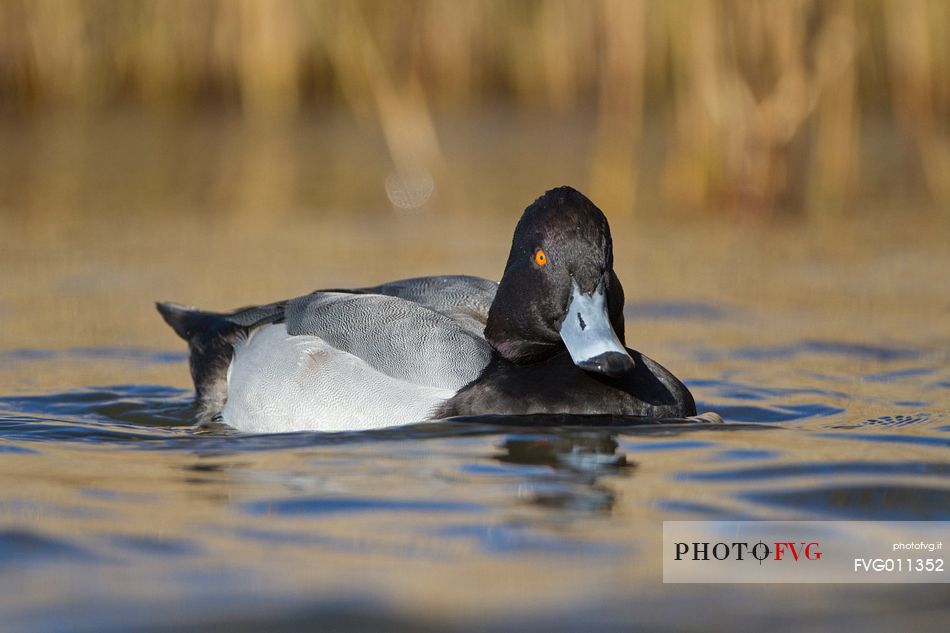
187 322
211 337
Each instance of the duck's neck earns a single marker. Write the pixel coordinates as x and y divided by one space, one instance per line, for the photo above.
522 352
515 342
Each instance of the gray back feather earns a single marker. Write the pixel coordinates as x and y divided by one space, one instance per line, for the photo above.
257 315
462 298
425 331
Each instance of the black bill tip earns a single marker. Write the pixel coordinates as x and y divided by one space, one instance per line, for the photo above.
613 364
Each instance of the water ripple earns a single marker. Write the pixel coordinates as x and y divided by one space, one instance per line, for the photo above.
348 505
922 440
831 469
829 348
129 354
772 414
506 540
27 547
861 502
145 405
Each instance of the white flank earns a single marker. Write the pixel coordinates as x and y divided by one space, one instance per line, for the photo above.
278 382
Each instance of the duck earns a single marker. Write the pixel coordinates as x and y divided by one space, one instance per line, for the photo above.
548 338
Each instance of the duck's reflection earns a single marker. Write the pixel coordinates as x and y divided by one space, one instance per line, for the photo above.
578 461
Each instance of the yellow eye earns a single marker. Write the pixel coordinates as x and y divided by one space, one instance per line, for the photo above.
540 258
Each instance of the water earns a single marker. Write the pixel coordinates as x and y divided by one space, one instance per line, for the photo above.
116 509
825 347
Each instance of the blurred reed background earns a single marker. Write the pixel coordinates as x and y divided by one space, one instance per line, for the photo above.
783 106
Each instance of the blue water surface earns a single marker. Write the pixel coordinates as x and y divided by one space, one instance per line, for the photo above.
131 516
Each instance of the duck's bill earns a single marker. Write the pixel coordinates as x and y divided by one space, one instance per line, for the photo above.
589 337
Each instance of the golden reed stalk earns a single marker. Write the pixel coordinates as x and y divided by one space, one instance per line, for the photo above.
761 102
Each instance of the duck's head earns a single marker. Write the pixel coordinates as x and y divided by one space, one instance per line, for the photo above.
559 288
